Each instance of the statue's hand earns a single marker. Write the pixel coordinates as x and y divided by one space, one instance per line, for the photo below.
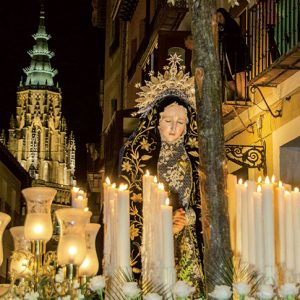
179 220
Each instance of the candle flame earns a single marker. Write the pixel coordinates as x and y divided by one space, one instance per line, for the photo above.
280 184
273 179
167 201
86 209
38 228
75 189
246 184
240 181
72 250
80 198
123 187
155 179
107 180
161 186
267 180
259 188
259 179
113 185
296 190
147 173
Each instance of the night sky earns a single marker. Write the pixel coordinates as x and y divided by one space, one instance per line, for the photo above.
78 48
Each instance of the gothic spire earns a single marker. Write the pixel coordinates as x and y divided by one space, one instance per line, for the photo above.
40 71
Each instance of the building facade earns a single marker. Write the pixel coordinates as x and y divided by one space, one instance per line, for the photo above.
38 135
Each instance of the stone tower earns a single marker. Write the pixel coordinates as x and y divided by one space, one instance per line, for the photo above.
38 134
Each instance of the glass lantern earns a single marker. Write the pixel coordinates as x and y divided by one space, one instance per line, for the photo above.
38 223
21 257
90 265
4 220
72 244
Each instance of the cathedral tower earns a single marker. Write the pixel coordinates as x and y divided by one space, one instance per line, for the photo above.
38 134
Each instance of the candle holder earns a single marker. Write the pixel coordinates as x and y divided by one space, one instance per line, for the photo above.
90 265
72 244
4 220
38 223
22 257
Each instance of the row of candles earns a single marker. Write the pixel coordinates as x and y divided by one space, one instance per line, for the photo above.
267 227
77 235
157 240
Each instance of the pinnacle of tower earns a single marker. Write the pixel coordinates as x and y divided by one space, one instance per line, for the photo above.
40 71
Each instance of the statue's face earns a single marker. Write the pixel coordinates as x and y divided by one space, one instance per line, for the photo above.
172 122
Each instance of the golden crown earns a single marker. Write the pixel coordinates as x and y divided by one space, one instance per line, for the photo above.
173 82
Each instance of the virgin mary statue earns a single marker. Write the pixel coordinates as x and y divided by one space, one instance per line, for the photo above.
166 144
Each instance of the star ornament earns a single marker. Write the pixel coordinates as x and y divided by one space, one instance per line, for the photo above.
175 59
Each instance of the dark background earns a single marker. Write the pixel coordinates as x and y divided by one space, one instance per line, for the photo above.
79 52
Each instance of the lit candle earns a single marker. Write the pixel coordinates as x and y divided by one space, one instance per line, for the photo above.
269 234
244 223
259 244
239 188
106 184
80 201
168 260
280 212
251 188
74 192
110 236
289 232
147 213
123 228
296 226
231 192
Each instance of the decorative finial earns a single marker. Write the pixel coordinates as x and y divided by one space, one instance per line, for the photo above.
173 82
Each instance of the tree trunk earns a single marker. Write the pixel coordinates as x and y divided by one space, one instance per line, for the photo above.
216 236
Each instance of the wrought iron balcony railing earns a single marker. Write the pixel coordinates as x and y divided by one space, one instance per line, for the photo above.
273 38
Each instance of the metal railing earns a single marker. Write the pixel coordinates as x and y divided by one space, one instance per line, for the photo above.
273 31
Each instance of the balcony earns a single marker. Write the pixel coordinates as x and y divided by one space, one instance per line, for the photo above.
166 18
274 40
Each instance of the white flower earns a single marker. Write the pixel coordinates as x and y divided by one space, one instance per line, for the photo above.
183 290
288 289
221 292
265 291
152 296
59 277
31 296
131 289
242 288
97 283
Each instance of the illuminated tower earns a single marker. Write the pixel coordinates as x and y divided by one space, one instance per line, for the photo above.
38 134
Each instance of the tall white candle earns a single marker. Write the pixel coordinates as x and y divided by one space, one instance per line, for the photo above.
296 226
123 228
280 213
259 244
289 232
239 188
245 230
106 184
110 237
251 188
167 230
231 193
168 260
269 234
